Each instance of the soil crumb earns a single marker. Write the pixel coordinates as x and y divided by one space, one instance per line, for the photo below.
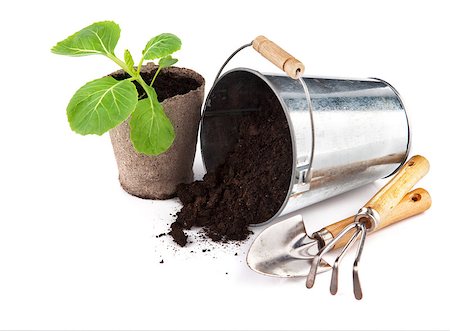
178 234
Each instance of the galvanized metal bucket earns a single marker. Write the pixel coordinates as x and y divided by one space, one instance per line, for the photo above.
345 133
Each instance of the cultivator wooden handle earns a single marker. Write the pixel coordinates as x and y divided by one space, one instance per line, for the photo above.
393 202
413 203
278 56
390 195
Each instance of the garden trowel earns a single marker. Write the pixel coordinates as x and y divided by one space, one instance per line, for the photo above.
286 250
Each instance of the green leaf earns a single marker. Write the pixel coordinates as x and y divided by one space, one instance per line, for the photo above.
151 131
98 38
129 60
167 61
101 105
161 46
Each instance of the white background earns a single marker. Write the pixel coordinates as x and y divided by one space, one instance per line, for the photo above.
77 252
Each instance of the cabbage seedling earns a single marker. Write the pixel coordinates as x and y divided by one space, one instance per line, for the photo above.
104 103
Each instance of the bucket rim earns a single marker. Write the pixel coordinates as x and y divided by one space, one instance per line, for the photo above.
408 123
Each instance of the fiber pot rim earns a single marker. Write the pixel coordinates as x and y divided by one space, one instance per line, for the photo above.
186 72
181 71
291 133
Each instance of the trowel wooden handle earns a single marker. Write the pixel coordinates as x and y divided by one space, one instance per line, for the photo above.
413 203
278 56
390 195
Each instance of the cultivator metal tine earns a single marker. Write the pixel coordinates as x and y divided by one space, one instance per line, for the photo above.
318 258
334 276
357 291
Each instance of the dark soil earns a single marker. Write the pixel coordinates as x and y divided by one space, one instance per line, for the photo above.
248 188
177 234
167 84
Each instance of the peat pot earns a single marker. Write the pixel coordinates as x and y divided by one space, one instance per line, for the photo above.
345 133
156 177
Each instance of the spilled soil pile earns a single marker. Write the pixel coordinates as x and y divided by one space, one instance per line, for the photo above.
248 188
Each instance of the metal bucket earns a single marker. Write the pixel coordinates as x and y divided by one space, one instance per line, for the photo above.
345 133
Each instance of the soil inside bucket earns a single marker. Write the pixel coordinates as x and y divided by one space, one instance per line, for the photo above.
249 187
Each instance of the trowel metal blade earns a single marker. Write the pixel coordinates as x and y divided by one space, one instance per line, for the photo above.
284 250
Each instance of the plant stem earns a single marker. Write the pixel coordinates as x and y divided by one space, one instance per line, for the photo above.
139 71
154 77
121 64
135 76
144 85
140 66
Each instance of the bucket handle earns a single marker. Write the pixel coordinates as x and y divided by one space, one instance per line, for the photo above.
279 57
294 69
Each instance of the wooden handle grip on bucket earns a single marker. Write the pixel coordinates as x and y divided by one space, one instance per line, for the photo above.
278 56
413 203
